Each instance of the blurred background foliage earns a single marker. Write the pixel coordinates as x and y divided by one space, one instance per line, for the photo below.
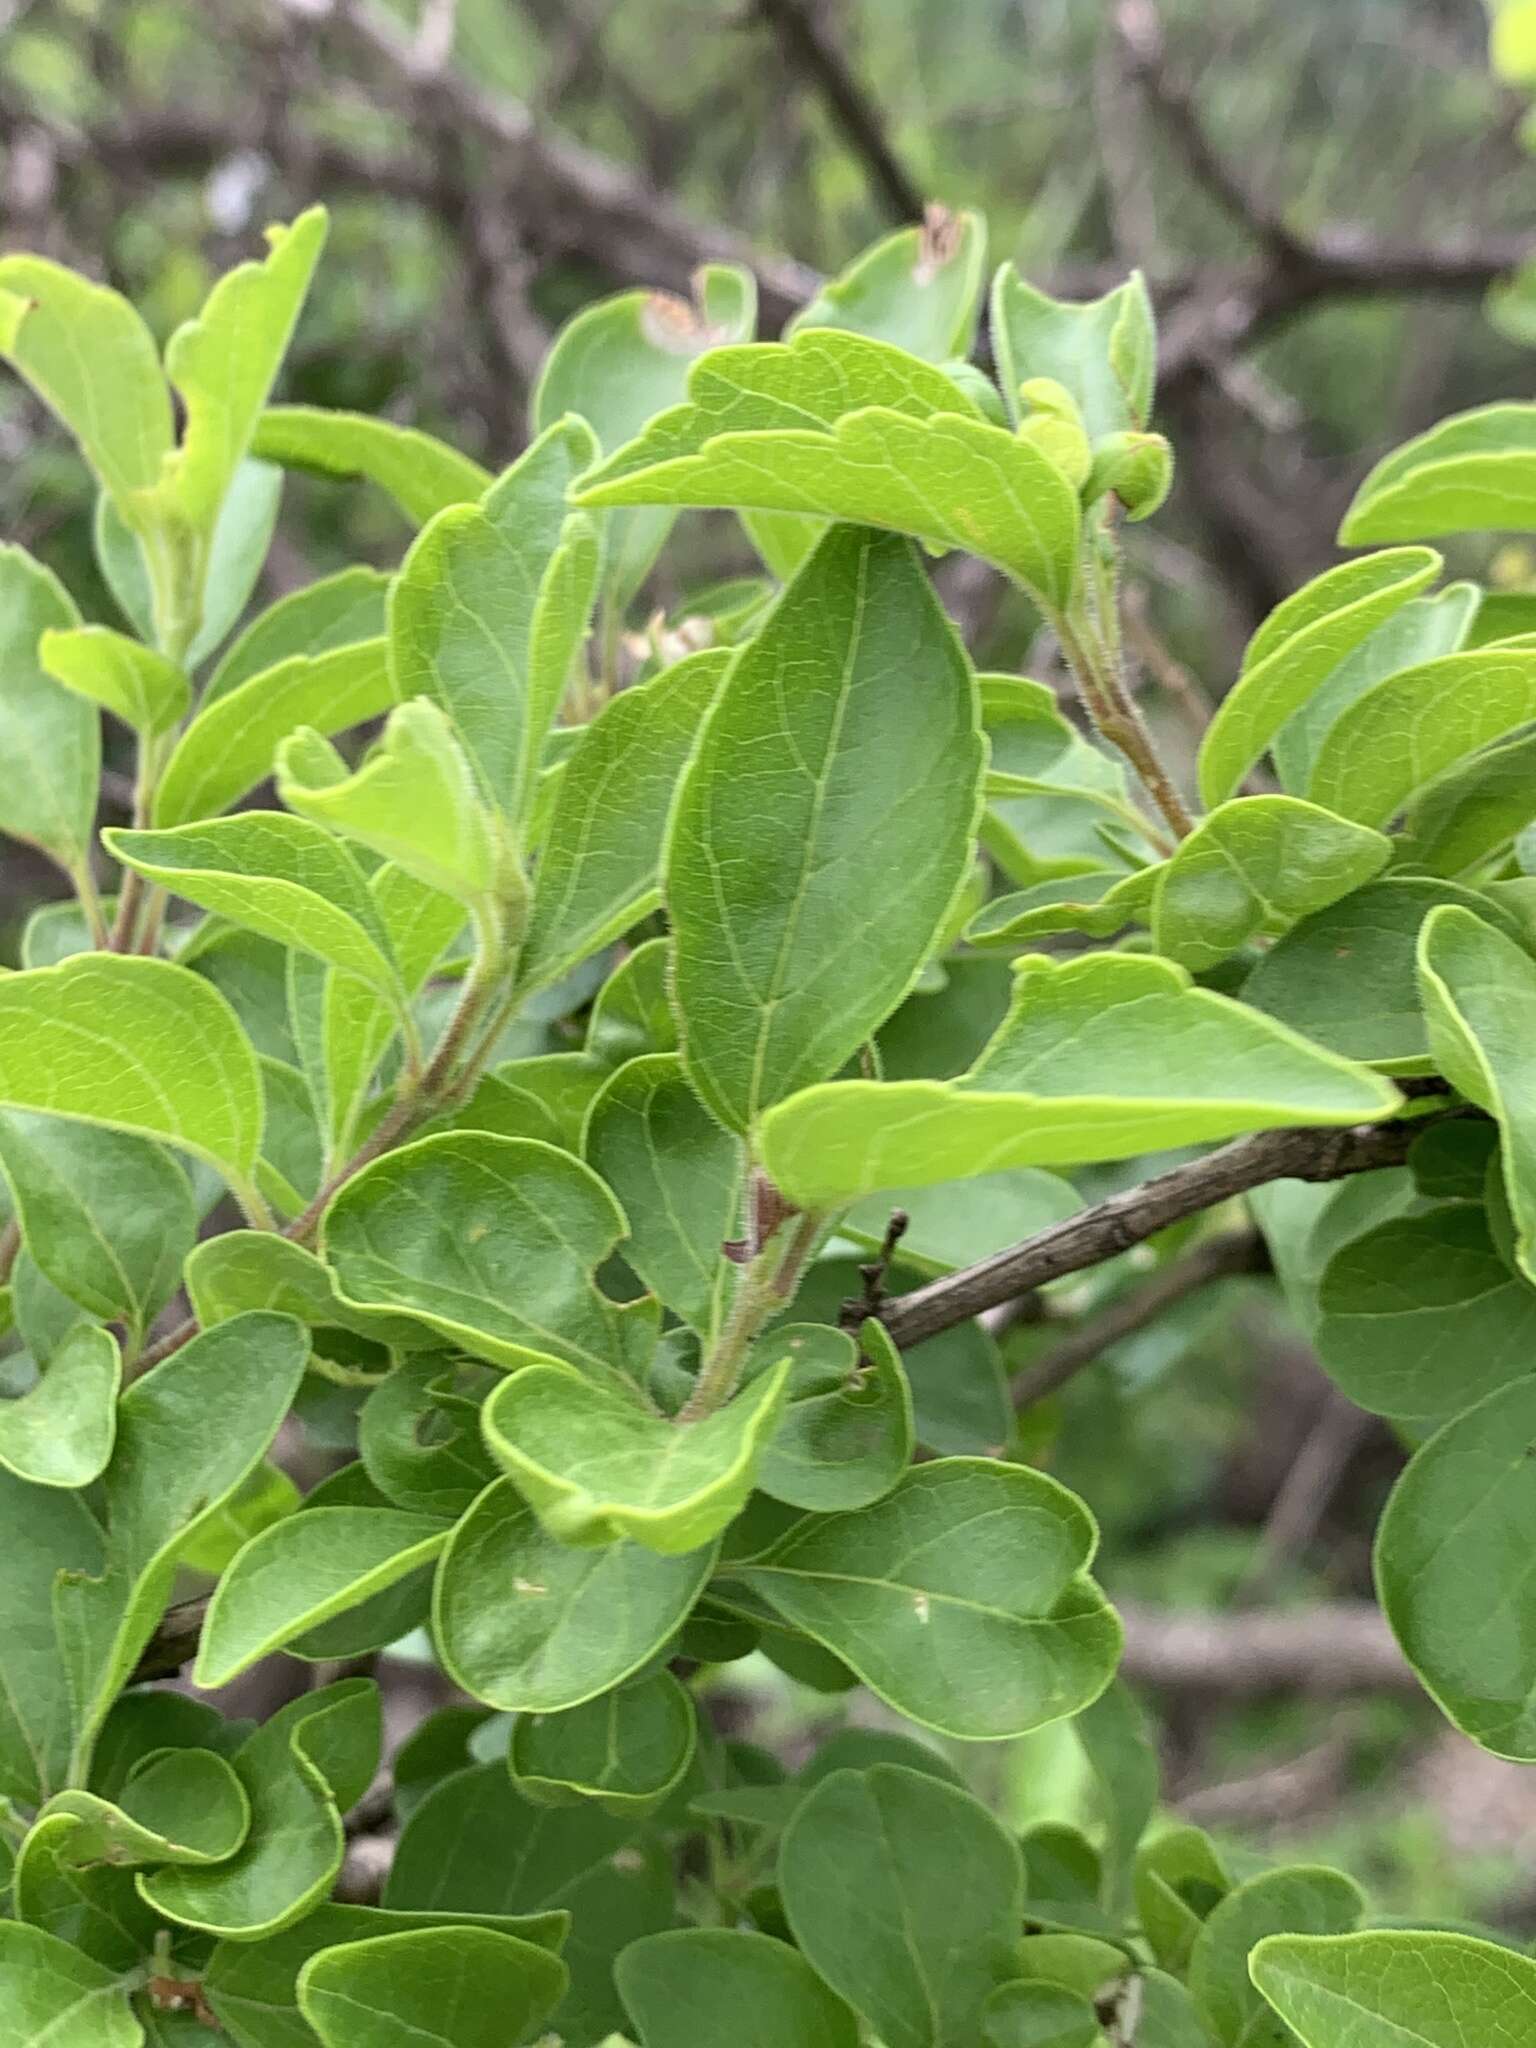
1323 193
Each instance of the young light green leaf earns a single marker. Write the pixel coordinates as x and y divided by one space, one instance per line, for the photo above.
139 1045
845 1432
92 361
431 1987
1066 1079
677 1175
596 1467
301 1770
51 737
601 849
182 1806
1103 351
1257 864
1299 1899
1301 642
494 1242
856 709
413 800
232 743
283 877
962 1598
1473 471
701 1984
1388 1988
906 1896
421 474
61 1432
302 1570
334 611
919 288
532 1625
45 1532
133 682
490 608
1399 736
627 1750
1479 991
51 1994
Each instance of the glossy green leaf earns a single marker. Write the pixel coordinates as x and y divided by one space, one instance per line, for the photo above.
1103 351
182 1806
301 1571
856 708
61 1432
301 1770
1301 642
492 1241
420 473
413 800
702 1984
334 611
45 1531
906 1897
1473 471
678 1177
1399 736
490 609
1296 1899
627 1750
845 1432
1066 1079
596 1467
450 1987
1257 865
232 743
51 736
919 288
51 1994
532 1625
139 1045
132 681
1386 1988
1479 991
962 1598
601 851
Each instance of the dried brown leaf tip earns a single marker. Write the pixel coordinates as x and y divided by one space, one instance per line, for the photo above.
680 325
938 241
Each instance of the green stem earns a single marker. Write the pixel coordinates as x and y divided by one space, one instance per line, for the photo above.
89 899
767 1285
1113 712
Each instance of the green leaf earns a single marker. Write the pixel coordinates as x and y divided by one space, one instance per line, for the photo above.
1103 351
108 1218
262 1498
61 1432
241 1270
906 1896
1472 810
621 361
626 1750
1347 976
51 737
283 877
601 850
138 1045
1466 1506
334 611
1479 991
1403 733
139 686
51 1994
919 288
413 800
1298 1899
1473 471
45 1532
596 1467
531 1625
419 1435
490 609
92 361
1066 1079
1298 646
677 1175
700 1984
301 1571
301 1770
231 744
421 474
1178 1879
1420 1317
451 1987
188 1434
1257 864
1116 1742
962 1598
1099 904
845 1432
1387 1989
856 708
494 1242
182 1806
1030 2015
95 1907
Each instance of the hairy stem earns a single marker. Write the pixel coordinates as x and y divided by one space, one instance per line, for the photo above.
769 1283
1114 712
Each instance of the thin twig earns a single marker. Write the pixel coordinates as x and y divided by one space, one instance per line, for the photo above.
804 40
